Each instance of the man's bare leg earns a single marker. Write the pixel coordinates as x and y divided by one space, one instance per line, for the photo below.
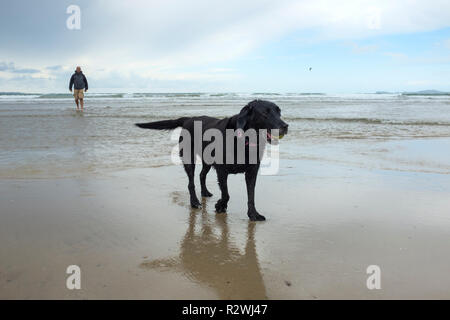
78 107
82 104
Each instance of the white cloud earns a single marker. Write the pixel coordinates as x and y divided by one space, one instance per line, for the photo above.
166 40
416 82
447 43
396 55
179 33
358 49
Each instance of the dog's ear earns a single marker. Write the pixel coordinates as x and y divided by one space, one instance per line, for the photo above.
243 117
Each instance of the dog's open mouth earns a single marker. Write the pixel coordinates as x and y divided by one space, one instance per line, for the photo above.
271 137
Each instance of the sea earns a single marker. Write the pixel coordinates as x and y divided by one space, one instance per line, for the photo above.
42 135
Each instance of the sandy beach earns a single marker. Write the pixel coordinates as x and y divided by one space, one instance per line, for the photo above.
350 99
134 235
363 180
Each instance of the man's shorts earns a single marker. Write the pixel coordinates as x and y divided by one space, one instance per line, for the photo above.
78 93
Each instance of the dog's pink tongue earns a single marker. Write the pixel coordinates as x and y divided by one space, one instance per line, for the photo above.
269 135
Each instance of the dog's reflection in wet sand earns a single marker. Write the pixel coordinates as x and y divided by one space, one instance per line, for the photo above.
214 261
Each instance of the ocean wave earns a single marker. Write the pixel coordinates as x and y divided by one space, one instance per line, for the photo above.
370 121
143 95
17 94
100 113
20 95
212 98
69 95
425 94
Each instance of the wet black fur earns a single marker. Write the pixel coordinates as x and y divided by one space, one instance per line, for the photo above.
258 114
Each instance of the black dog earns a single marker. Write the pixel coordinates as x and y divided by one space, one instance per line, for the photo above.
258 115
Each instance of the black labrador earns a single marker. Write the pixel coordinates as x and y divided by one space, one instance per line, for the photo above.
259 115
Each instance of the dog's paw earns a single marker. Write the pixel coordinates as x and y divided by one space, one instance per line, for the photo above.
196 204
221 206
255 216
206 194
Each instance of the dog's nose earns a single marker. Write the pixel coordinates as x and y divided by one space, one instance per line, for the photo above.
284 128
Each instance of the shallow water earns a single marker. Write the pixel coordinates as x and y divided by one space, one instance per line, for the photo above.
43 135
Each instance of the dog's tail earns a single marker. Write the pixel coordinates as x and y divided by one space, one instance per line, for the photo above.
162 125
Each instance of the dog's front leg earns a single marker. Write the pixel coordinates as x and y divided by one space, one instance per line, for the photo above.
250 179
221 205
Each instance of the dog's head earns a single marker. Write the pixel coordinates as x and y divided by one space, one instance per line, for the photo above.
261 114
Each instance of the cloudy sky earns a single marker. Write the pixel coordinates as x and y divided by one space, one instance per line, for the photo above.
233 45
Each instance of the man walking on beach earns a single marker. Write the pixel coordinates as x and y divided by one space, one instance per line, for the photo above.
79 82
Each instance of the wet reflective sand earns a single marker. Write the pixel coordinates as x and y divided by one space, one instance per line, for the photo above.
134 235
214 259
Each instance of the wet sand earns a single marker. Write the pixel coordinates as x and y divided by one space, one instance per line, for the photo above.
134 235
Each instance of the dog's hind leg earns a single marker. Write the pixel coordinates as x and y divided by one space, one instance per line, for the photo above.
190 169
221 205
205 170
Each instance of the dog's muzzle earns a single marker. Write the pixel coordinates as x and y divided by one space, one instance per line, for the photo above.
283 130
